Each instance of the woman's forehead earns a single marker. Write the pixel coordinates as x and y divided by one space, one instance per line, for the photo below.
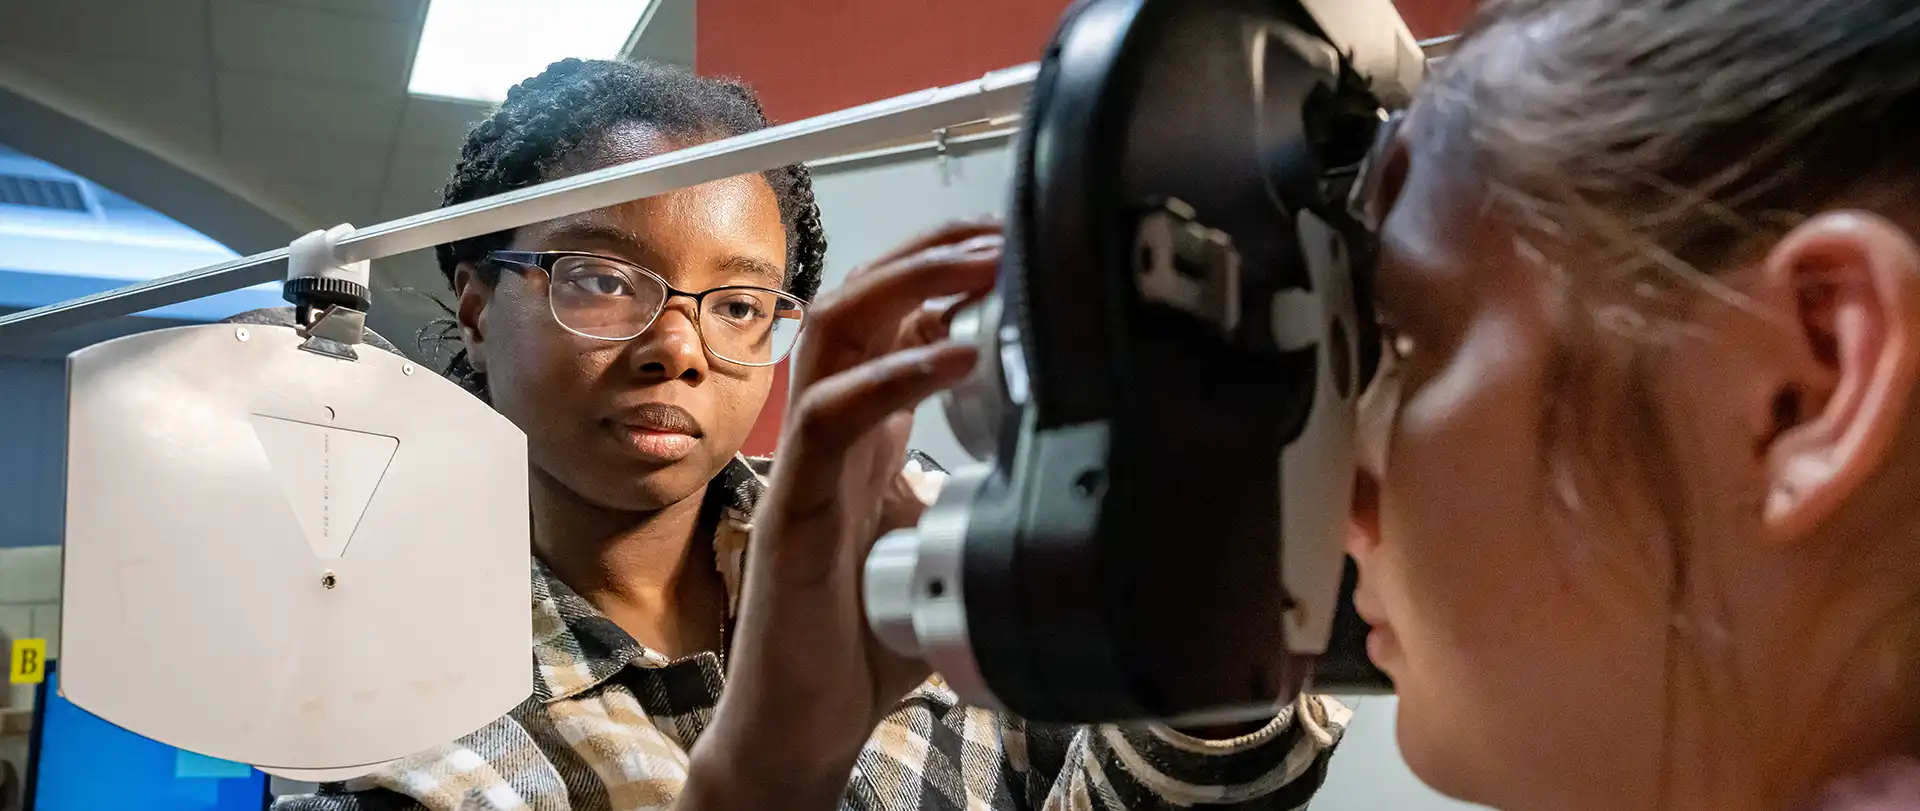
727 206
631 141
735 207
625 142
722 228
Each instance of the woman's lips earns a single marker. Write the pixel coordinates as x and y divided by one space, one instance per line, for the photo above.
657 432
657 446
1381 641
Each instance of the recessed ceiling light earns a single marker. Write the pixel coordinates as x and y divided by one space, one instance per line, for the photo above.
476 50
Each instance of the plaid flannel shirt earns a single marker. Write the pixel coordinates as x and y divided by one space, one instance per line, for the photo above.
610 723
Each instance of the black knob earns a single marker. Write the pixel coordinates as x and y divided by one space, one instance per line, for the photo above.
323 292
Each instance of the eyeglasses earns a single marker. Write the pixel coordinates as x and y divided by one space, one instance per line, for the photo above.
598 297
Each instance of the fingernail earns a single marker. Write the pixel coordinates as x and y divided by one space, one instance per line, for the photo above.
936 358
984 242
943 305
959 303
925 365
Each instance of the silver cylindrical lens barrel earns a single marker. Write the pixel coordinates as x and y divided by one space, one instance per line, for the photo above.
889 590
915 600
974 407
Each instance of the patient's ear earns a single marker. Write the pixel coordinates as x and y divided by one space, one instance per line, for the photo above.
1842 291
471 296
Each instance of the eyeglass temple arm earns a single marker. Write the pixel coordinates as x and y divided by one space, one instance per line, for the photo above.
528 258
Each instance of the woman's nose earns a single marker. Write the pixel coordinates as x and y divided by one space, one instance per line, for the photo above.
1363 524
672 348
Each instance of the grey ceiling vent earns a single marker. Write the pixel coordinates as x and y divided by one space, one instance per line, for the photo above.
40 192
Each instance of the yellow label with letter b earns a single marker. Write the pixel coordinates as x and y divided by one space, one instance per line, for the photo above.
29 662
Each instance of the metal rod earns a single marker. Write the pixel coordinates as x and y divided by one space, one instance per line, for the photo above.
1439 47
915 147
995 95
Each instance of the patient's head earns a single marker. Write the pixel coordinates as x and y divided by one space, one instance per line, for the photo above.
1641 514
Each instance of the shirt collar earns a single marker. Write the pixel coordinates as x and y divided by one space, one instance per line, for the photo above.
576 648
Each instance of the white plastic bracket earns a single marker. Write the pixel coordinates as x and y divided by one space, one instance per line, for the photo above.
312 257
330 297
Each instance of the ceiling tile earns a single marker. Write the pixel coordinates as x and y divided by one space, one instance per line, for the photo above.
439 123
333 179
399 10
338 205
670 35
415 179
414 279
168 102
352 111
163 30
283 40
405 289
431 134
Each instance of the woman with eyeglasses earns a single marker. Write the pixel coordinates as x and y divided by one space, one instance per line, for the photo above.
635 346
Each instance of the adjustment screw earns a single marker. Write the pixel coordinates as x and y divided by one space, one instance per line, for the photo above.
328 580
1089 483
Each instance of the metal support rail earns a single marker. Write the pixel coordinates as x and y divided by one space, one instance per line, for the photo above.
997 95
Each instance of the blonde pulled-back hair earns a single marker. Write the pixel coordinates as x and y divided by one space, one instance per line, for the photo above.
1644 148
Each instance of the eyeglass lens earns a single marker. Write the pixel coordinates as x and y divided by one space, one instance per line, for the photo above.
602 299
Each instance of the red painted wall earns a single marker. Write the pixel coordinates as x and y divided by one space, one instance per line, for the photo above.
809 57
1435 18
766 432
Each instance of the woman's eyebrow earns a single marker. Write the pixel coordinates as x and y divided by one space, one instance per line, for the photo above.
620 239
769 274
631 247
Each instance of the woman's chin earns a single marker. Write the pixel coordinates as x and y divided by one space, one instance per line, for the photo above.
622 486
1431 756
653 494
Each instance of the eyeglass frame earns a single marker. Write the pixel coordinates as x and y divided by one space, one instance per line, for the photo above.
522 262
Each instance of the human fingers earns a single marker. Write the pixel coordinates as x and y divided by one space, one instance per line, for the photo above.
938 272
862 318
933 321
945 233
828 418
833 412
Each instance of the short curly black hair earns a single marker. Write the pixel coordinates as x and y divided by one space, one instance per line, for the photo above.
569 107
